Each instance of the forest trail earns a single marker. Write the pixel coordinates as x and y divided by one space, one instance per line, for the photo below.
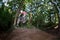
29 34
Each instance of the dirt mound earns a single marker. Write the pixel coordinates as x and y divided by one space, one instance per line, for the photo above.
29 34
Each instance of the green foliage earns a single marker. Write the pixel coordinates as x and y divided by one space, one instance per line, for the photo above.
6 18
42 13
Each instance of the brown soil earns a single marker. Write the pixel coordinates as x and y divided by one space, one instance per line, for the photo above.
28 34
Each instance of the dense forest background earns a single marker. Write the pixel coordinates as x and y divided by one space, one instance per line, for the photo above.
42 14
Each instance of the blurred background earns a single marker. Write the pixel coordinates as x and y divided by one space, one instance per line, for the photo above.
41 14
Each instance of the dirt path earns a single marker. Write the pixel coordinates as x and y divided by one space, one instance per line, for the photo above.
29 34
